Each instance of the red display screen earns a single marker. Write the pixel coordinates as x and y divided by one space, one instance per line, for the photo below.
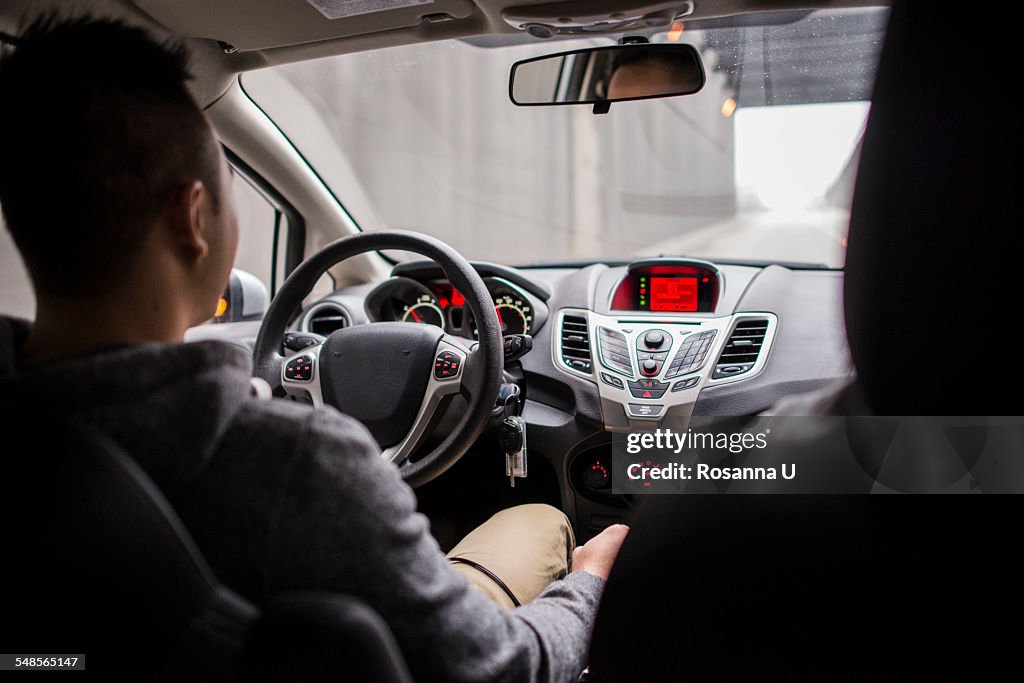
673 294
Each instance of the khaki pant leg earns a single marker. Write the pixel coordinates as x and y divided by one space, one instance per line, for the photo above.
527 547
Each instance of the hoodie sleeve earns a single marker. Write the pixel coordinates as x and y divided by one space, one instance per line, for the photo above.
345 521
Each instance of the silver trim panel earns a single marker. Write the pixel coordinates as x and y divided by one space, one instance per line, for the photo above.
615 401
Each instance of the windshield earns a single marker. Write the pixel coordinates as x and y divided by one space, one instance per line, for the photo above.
758 165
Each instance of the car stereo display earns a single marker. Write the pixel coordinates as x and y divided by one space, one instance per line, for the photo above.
672 287
660 293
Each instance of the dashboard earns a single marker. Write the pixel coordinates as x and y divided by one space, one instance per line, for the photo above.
626 346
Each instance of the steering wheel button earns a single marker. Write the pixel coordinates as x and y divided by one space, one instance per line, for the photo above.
446 365
299 369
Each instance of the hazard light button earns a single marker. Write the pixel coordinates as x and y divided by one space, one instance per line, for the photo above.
647 388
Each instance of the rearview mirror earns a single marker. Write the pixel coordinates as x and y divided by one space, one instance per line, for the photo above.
603 75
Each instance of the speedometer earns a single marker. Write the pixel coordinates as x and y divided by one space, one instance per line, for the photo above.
514 314
513 308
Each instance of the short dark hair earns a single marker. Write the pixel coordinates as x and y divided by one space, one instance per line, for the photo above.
97 130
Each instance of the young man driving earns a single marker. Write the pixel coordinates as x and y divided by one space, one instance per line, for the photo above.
118 197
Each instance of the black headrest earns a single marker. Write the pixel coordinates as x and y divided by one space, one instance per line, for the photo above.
935 245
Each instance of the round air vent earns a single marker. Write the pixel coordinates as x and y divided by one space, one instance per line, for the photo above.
325 318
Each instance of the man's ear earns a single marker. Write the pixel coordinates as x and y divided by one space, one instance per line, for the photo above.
188 220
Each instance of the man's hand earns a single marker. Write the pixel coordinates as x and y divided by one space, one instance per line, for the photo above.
598 554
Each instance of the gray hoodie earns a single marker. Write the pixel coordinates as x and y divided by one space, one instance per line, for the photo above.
280 496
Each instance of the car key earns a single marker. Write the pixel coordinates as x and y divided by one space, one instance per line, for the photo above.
513 442
510 400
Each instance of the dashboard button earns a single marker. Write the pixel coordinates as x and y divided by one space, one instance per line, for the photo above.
612 380
617 358
649 368
615 351
731 370
644 409
647 388
654 339
687 383
691 354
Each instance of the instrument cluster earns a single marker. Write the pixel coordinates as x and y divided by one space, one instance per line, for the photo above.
437 302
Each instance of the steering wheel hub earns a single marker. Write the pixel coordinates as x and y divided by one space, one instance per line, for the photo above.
378 374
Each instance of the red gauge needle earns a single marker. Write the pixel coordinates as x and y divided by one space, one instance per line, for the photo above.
414 316
498 311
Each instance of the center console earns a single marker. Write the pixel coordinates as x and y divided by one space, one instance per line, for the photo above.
660 341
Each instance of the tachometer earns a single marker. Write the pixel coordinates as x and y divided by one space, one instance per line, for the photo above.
424 310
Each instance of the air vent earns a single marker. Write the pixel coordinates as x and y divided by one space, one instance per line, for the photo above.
576 343
742 349
326 318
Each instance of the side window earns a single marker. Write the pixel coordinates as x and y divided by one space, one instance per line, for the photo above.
271 239
258 221
271 236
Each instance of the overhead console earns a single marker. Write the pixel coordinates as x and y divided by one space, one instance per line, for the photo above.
679 287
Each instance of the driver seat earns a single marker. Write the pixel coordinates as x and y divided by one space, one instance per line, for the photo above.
99 566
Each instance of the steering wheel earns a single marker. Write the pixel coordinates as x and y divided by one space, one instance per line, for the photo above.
391 376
